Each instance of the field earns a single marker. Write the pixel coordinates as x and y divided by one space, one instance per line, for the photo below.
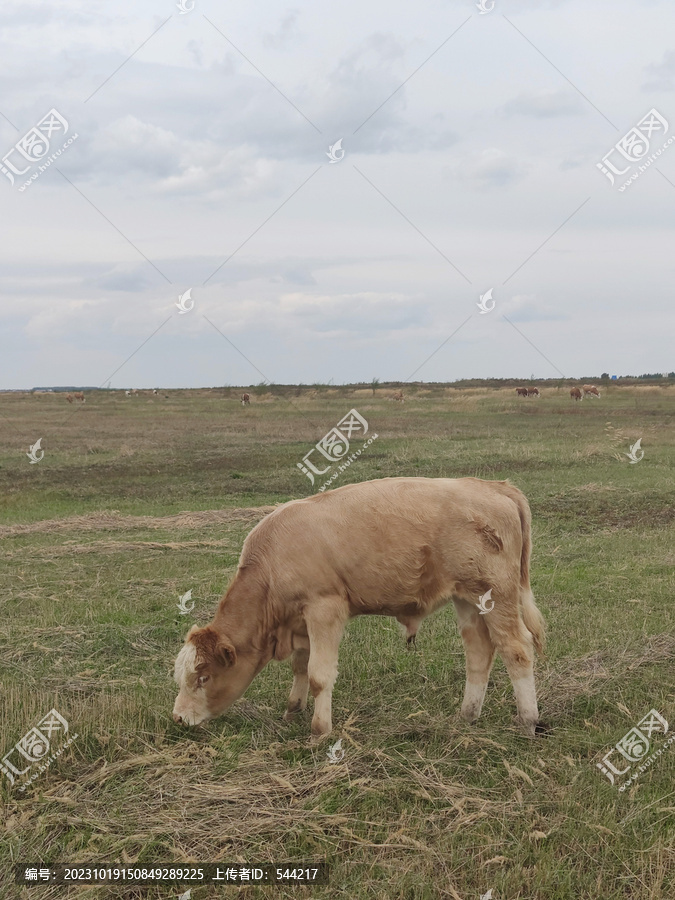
140 499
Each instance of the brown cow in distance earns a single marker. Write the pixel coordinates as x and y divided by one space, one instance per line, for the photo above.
398 395
521 392
590 390
401 547
576 394
245 399
533 392
69 398
79 396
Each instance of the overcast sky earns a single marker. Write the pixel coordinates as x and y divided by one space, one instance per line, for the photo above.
471 144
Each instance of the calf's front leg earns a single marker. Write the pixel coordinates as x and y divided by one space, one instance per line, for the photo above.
300 689
325 620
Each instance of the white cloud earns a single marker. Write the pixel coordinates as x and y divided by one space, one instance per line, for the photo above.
530 308
479 142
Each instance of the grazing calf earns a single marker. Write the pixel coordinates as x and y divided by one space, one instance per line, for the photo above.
398 395
79 396
522 392
69 398
533 392
576 394
590 390
401 547
245 399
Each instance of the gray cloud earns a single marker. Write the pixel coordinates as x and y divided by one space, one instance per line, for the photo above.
490 168
661 75
546 104
285 32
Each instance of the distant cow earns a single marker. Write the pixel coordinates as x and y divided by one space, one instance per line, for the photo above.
69 398
533 392
79 396
398 395
155 391
127 393
522 392
575 393
400 547
590 390
245 399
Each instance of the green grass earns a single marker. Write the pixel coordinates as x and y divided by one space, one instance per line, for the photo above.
422 805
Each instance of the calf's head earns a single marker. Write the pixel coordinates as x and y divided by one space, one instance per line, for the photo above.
210 675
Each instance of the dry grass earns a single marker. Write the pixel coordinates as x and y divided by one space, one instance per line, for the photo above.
113 521
98 546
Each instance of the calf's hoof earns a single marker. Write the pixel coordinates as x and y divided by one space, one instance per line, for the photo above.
530 729
292 710
318 737
470 714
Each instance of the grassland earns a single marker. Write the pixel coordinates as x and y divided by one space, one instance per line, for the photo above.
138 500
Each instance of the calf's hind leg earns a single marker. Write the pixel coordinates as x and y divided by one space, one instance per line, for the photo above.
515 646
300 689
479 652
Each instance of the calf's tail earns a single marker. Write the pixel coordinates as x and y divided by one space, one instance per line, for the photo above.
533 619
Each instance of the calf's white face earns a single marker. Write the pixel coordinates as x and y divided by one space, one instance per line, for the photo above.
210 676
191 706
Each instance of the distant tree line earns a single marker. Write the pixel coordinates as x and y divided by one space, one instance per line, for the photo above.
649 375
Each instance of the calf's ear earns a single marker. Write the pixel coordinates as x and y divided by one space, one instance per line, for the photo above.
225 654
212 647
